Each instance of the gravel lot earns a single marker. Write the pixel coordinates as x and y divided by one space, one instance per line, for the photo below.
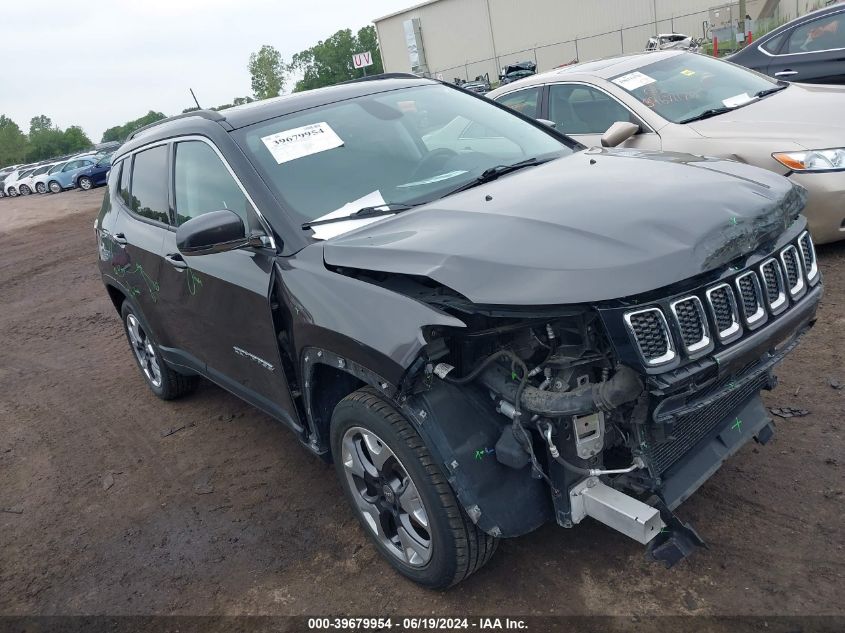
114 502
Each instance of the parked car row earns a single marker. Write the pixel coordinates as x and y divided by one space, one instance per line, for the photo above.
84 171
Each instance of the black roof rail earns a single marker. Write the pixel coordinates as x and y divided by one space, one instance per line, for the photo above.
211 115
383 76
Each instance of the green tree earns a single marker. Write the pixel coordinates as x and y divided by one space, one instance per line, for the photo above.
120 132
40 123
330 61
75 140
13 142
267 71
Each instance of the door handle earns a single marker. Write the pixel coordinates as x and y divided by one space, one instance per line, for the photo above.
175 260
119 238
786 73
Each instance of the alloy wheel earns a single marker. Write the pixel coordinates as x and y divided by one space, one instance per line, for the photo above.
386 496
55 187
85 184
12 192
144 350
40 187
25 191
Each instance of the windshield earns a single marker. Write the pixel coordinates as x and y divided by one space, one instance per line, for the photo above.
403 146
41 170
56 168
682 87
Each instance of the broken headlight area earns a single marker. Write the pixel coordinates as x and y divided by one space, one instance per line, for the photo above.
565 409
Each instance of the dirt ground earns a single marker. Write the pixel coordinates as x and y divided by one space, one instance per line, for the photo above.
114 502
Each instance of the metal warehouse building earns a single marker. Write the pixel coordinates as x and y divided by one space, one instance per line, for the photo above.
462 39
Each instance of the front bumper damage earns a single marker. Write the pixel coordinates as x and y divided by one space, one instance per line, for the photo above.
640 504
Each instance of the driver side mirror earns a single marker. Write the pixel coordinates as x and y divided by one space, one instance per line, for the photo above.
214 232
618 133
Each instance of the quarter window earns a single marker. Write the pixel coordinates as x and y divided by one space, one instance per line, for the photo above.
819 35
125 172
149 184
578 109
204 184
526 101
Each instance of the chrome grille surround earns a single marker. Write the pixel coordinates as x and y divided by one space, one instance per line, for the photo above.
734 330
680 311
808 250
789 255
774 284
721 313
661 359
751 299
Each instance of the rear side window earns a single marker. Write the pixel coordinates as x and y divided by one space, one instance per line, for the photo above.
149 184
819 35
203 184
124 181
526 101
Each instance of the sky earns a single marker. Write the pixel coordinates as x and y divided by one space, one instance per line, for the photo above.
101 63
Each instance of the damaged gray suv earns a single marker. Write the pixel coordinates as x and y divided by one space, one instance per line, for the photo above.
484 325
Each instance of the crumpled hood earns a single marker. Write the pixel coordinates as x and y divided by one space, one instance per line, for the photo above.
806 114
595 225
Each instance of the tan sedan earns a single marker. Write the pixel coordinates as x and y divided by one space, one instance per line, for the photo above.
685 102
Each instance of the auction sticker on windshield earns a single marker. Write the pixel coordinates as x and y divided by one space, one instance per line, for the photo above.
302 141
634 80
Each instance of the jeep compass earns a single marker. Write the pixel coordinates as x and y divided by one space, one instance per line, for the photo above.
484 325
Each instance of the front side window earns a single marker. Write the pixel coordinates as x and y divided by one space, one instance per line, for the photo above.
401 146
525 102
773 45
819 35
579 109
203 184
685 86
149 184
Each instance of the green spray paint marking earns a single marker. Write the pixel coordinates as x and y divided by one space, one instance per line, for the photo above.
732 221
194 282
130 269
737 425
479 454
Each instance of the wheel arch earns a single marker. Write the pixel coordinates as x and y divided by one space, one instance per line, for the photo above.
116 295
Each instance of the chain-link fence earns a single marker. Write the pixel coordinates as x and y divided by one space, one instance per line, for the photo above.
631 39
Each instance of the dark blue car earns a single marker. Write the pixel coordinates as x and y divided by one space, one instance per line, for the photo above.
94 175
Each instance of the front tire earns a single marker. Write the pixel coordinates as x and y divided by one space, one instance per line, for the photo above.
40 187
55 187
161 379
25 191
400 495
12 192
85 183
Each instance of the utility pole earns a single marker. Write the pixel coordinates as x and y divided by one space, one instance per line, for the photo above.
742 15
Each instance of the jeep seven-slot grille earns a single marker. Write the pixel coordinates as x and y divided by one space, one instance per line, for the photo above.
725 308
649 328
748 294
808 253
790 261
721 300
689 321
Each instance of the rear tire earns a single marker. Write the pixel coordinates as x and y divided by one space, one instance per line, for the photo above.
40 187
400 495
85 183
25 191
161 379
55 187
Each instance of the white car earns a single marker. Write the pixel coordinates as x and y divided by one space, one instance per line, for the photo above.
11 185
40 177
26 185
